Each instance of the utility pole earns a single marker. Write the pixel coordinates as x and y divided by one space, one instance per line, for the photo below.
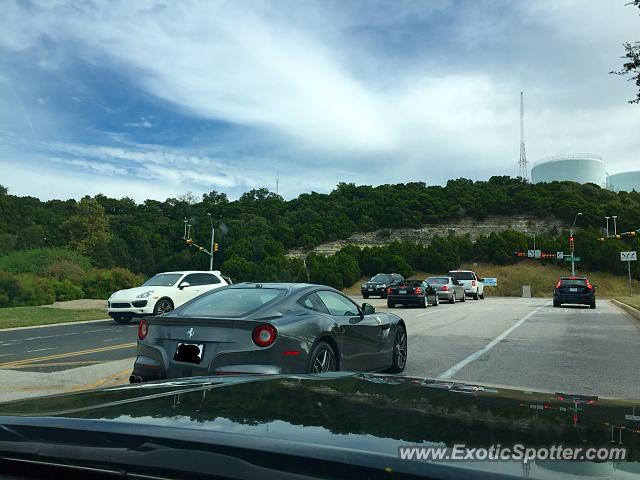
607 218
571 240
211 250
615 225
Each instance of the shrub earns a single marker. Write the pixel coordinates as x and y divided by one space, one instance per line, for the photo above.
67 290
33 290
102 282
65 270
38 260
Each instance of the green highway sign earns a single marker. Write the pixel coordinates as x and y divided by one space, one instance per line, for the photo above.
567 258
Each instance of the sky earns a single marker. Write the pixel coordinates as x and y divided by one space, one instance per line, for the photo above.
153 99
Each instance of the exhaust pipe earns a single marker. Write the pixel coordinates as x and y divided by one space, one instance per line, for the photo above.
135 379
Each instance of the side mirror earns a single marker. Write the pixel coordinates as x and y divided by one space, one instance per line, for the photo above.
368 309
184 285
481 279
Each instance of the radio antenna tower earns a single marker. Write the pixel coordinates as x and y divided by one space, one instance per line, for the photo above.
524 170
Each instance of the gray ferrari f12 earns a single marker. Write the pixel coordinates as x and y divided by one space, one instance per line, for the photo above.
269 329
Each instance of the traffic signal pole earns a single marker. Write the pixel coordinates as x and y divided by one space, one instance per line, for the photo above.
211 254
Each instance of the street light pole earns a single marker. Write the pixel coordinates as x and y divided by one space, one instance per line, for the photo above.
615 225
573 258
607 218
211 250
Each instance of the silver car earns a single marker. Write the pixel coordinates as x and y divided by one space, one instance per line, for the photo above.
448 288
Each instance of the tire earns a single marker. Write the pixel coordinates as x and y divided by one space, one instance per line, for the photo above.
390 305
592 306
556 303
453 298
399 352
122 319
482 296
365 295
384 295
464 297
476 296
164 305
425 303
436 302
322 359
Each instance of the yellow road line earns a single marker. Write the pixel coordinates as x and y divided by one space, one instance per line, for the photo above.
57 364
64 355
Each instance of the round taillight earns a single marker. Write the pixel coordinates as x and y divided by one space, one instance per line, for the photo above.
264 335
143 329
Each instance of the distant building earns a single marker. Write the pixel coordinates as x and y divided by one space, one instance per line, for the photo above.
624 181
577 167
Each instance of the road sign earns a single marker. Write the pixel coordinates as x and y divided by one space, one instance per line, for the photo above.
559 255
531 253
634 418
629 257
490 282
567 258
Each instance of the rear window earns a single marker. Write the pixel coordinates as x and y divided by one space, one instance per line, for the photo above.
462 275
437 280
382 278
573 281
231 302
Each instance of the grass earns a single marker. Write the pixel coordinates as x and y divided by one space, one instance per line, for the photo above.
633 301
30 316
541 278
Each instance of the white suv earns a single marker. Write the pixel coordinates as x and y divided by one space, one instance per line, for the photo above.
162 293
473 285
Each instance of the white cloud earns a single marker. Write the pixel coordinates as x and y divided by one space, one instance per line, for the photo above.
304 77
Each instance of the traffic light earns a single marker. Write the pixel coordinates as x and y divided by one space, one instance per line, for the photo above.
571 243
215 247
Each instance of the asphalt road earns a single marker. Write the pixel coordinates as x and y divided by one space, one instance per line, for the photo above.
60 347
502 341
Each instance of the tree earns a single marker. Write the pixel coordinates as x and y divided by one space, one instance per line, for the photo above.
88 226
632 65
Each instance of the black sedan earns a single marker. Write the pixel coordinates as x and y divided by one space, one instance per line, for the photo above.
575 290
377 285
412 292
253 328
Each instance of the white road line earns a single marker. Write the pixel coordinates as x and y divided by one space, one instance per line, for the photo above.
39 350
111 339
18 340
475 355
434 311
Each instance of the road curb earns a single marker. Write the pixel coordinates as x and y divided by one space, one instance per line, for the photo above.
634 312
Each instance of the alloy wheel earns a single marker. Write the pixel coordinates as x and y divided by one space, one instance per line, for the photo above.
324 361
400 349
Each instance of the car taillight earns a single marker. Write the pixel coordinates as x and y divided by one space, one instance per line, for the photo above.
558 284
264 335
445 288
473 283
417 291
389 291
143 329
589 286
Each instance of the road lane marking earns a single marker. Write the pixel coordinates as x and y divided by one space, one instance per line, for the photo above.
56 364
64 355
53 325
111 339
433 311
18 340
475 355
39 350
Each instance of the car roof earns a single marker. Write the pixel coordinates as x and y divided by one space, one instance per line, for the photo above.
573 278
182 272
291 287
470 271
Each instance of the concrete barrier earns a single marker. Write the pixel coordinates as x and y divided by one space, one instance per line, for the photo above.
634 312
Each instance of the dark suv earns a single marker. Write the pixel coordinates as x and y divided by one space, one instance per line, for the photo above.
575 290
378 284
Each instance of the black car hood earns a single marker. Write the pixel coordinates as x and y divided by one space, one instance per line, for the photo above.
377 413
